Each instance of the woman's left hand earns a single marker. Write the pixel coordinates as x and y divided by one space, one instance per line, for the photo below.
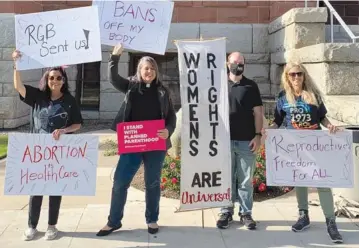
163 133
332 129
56 134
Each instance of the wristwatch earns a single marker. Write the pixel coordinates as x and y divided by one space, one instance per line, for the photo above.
258 134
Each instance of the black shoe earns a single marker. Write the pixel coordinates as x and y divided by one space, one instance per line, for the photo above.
303 222
248 221
224 220
333 231
102 233
152 230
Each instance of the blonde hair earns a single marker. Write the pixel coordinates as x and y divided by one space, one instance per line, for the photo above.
310 93
152 62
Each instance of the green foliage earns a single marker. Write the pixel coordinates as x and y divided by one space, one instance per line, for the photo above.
3 146
171 174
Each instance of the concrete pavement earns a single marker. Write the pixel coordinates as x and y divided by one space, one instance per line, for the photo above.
82 217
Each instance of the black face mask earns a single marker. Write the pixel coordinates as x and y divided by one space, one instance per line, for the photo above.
236 69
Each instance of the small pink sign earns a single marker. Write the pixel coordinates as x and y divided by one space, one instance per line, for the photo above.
140 136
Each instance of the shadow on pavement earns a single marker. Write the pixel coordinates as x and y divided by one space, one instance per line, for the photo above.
267 235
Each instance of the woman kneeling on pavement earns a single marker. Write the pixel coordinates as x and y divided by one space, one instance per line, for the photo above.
54 110
300 106
145 99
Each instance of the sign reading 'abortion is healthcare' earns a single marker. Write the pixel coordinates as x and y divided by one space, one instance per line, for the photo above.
39 165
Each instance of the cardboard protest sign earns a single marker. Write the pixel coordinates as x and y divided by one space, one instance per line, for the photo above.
39 165
56 38
205 140
138 25
309 158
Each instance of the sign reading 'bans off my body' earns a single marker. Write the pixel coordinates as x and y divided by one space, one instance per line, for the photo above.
55 38
140 136
309 158
39 165
138 25
205 140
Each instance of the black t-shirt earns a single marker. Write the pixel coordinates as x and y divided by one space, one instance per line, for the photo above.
48 115
145 105
299 115
243 97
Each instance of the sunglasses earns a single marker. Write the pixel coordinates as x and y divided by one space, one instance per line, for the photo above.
293 74
58 78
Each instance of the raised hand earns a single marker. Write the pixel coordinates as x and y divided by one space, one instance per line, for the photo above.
118 49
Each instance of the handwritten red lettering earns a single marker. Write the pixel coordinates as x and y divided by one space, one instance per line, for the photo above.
53 153
27 153
188 198
64 174
83 151
37 154
47 153
74 152
48 174
54 148
320 173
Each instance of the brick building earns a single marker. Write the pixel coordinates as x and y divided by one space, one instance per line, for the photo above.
244 23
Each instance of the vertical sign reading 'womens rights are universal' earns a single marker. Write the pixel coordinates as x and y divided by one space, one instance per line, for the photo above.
138 25
205 141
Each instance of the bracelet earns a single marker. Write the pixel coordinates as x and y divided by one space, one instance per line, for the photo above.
259 134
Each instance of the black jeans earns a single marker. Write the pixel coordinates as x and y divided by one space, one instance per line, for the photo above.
35 209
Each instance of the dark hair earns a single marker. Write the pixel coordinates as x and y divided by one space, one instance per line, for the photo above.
45 79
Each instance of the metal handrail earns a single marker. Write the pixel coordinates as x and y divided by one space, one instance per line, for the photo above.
334 13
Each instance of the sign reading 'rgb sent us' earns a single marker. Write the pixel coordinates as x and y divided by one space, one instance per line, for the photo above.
56 38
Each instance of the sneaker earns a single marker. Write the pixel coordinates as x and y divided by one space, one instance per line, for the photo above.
29 234
303 222
51 233
248 221
224 220
333 231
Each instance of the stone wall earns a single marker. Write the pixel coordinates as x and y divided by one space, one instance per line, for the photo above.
110 98
332 67
250 39
297 28
339 34
13 112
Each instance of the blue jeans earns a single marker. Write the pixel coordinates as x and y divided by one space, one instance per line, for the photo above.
243 161
127 167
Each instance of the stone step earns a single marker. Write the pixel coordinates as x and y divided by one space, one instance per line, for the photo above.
343 108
